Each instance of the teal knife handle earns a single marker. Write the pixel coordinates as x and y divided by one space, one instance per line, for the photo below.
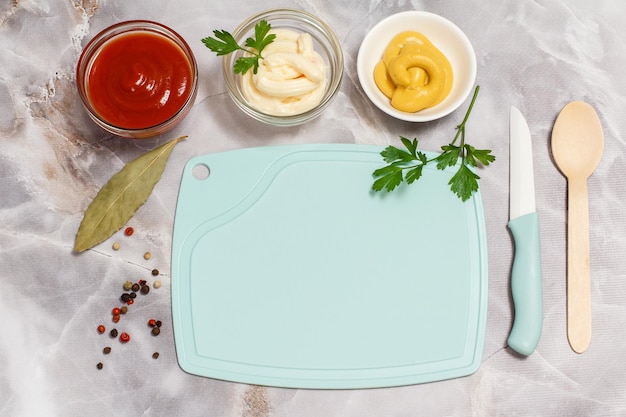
526 285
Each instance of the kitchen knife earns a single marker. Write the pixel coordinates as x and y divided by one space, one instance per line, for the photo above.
524 225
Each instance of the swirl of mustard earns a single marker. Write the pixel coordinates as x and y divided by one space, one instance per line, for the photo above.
413 73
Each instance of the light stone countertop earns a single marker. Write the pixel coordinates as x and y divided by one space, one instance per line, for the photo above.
535 55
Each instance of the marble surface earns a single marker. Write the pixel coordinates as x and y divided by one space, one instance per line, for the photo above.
536 55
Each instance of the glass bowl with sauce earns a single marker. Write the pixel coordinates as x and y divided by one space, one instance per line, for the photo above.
431 30
288 101
137 79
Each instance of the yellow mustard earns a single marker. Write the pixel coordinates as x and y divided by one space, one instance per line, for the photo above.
413 73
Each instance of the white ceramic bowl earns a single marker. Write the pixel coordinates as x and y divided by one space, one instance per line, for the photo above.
445 35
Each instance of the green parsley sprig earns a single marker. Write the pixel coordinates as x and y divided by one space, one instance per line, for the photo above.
412 161
226 43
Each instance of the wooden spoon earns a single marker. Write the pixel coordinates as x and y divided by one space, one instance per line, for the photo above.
577 145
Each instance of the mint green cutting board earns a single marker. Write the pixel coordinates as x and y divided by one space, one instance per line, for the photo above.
287 270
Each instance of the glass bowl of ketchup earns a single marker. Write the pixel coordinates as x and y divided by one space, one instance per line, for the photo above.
137 79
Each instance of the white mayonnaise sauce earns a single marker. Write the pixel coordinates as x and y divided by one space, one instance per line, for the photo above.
291 78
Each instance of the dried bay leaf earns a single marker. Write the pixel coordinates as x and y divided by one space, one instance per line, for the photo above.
119 199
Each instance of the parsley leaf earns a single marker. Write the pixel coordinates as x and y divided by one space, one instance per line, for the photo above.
463 183
243 64
224 43
391 154
261 38
448 157
414 174
390 178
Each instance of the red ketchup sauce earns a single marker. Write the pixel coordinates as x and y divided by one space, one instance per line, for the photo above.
139 80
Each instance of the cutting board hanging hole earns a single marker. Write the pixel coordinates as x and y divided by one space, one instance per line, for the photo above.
201 172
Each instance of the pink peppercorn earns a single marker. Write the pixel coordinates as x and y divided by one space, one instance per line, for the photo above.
124 337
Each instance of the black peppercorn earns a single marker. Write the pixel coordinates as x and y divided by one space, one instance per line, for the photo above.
155 355
133 295
145 289
99 365
113 333
106 350
155 272
135 287
158 323
155 331
125 297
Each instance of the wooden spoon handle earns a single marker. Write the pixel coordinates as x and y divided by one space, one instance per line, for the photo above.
578 281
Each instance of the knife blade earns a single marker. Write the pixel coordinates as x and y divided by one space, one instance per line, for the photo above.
526 282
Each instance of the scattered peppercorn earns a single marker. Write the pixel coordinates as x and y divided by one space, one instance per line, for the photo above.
127 298
129 231
131 289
